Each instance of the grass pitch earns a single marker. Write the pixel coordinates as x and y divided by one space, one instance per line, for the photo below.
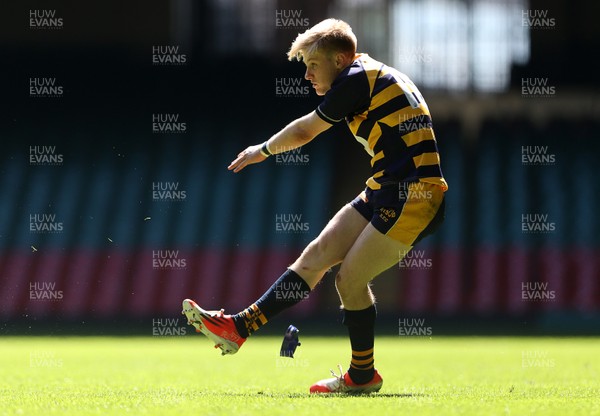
184 375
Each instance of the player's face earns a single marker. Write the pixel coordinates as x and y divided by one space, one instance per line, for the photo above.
321 71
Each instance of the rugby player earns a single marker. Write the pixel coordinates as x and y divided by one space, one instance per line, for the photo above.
402 203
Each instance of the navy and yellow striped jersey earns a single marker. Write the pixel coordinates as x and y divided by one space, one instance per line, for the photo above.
388 116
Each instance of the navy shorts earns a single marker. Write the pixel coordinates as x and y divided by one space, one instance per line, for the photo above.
405 211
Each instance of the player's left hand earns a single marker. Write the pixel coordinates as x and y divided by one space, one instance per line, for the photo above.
247 157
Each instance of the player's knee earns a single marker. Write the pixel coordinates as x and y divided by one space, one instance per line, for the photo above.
346 287
320 249
318 256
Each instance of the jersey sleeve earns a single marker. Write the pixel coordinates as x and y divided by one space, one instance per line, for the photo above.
349 94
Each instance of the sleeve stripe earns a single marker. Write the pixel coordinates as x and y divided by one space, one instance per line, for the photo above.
325 117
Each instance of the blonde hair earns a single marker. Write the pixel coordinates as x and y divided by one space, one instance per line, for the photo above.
330 35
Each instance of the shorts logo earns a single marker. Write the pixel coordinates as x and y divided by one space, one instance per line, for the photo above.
387 214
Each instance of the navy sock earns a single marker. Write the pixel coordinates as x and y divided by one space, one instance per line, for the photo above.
361 328
287 291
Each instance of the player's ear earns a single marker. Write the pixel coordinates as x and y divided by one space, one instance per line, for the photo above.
340 60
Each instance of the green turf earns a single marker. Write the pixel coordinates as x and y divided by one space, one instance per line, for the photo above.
184 375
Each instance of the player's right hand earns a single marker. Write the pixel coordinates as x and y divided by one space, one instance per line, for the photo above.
247 157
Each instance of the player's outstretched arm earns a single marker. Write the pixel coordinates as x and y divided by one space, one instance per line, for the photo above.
296 134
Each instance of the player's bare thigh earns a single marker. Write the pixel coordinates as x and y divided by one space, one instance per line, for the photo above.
331 246
371 254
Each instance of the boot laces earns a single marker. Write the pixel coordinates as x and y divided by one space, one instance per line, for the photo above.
341 376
